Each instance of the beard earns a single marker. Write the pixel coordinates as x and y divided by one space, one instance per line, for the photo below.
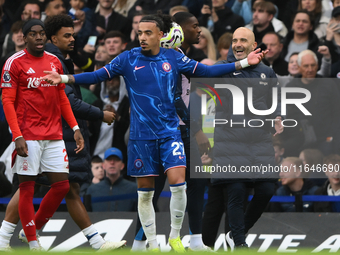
146 52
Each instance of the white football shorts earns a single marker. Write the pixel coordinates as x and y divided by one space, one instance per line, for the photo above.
43 156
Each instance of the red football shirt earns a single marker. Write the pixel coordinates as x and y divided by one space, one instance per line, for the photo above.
37 103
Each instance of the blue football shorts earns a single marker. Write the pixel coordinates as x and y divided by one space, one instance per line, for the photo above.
147 156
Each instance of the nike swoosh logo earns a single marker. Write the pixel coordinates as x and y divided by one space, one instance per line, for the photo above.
178 216
137 68
90 236
148 225
234 73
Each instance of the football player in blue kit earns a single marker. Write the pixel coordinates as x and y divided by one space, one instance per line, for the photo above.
151 74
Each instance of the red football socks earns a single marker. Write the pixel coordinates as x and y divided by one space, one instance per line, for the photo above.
51 202
26 209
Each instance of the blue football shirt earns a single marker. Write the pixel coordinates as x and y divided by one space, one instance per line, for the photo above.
151 85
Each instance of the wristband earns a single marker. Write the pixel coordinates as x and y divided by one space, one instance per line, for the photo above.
75 128
244 63
64 78
17 138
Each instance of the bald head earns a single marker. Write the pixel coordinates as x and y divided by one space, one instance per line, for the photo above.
244 32
243 42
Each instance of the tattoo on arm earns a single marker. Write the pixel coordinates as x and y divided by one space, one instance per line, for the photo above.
238 65
70 79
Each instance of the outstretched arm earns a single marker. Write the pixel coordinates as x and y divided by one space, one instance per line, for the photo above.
84 78
253 58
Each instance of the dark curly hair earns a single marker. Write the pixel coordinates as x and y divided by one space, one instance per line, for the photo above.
54 23
163 21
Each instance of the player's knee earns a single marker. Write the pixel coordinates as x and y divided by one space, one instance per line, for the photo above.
74 191
62 187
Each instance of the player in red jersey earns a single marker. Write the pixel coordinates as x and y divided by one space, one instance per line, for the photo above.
33 110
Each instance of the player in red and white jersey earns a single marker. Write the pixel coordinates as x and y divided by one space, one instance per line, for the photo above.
33 110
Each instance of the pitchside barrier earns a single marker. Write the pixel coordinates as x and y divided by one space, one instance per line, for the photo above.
285 232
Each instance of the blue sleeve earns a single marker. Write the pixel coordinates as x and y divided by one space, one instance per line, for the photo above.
193 68
114 68
213 71
92 77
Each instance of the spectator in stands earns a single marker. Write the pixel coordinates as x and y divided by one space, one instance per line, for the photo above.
273 58
293 183
17 39
336 3
312 158
207 44
293 67
223 45
331 187
75 6
123 6
320 20
101 58
113 185
83 18
243 8
178 8
107 20
279 151
54 7
222 17
115 43
30 10
151 6
324 107
97 169
134 32
301 37
263 14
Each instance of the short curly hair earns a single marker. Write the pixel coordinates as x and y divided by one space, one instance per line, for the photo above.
54 23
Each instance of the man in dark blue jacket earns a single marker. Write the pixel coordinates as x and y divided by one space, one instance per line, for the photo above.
242 145
59 30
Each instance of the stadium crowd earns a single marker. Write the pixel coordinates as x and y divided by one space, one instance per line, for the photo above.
303 42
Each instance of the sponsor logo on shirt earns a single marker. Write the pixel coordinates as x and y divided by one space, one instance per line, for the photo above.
166 67
36 83
6 77
33 82
30 70
6 85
